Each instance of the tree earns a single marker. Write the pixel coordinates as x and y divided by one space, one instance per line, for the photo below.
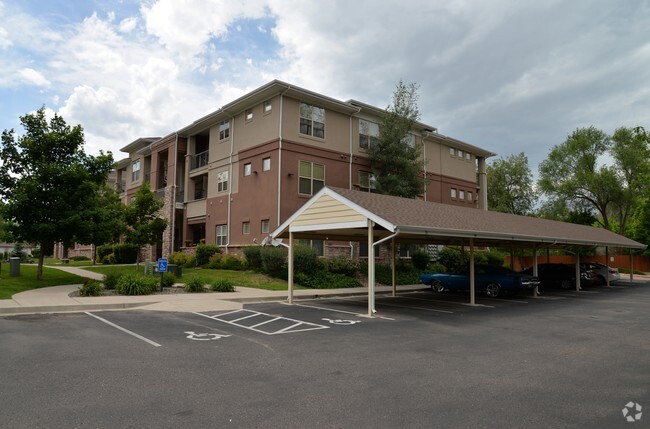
144 225
510 185
47 181
395 156
571 173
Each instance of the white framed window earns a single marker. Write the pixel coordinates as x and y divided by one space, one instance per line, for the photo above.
268 106
470 196
246 228
248 169
222 181
312 120
468 156
311 177
317 245
222 235
368 133
460 153
224 130
454 192
249 114
265 226
266 164
409 140
135 171
366 181
461 195
452 151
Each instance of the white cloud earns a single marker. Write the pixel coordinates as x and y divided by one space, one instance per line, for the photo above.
5 42
33 77
127 25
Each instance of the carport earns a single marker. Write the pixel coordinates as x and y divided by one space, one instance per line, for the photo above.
348 215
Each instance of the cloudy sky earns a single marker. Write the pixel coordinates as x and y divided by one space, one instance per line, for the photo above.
505 75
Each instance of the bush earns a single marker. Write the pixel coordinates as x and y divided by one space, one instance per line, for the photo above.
168 279
305 260
231 262
222 285
204 252
133 284
182 259
494 257
341 265
450 258
405 274
325 280
80 258
111 280
108 259
90 288
274 262
125 253
36 253
253 257
103 251
436 268
420 259
194 284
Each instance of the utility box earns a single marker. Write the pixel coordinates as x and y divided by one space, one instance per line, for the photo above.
14 267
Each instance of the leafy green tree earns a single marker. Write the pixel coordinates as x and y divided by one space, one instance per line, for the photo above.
144 224
395 157
47 181
510 185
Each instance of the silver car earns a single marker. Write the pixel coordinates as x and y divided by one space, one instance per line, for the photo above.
601 271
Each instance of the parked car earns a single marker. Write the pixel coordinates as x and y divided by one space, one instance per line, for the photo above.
494 281
601 272
562 276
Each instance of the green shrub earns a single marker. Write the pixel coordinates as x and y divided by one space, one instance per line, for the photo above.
436 268
111 280
222 285
195 284
420 259
253 257
341 265
108 259
133 284
103 251
405 274
125 253
325 280
36 253
231 262
274 262
90 288
450 257
305 260
494 257
204 252
182 259
80 258
168 279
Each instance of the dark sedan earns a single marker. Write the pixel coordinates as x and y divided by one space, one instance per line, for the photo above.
494 281
562 276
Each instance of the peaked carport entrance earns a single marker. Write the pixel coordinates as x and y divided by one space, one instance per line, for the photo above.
347 215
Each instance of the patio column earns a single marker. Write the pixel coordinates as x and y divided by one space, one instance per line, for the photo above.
535 271
631 266
290 268
472 290
607 264
392 265
371 269
577 272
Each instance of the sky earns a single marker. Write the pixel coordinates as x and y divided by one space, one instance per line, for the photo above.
508 76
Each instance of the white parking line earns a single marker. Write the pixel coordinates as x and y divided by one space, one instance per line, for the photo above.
383 303
140 337
308 326
334 310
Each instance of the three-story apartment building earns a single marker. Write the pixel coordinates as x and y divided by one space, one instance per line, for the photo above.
231 177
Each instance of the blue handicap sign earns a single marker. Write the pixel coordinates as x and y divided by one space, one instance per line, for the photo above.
162 265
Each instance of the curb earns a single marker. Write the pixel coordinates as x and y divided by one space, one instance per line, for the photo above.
73 308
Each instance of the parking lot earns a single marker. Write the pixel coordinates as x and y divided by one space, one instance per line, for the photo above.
565 359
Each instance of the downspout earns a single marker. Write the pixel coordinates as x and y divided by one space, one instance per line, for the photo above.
173 215
230 179
280 152
424 166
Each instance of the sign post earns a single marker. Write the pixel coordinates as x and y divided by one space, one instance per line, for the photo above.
162 269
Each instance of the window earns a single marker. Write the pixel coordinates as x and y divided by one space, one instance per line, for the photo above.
311 177
453 192
452 151
368 133
267 106
222 181
409 140
470 196
366 181
224 130
461 194
266 164
265 226
312 120
468 156
317 245
246 228
249 115
247 169
135 171
460 153
222 235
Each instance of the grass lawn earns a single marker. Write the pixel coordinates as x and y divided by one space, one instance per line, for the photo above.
27 280
238 278
55 261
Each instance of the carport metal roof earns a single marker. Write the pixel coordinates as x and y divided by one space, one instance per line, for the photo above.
347 215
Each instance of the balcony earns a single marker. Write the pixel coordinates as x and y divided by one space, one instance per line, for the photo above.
199 160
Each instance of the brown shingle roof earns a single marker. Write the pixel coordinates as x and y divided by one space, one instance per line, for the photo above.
446 222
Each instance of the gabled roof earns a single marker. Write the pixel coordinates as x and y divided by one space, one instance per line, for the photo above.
342 214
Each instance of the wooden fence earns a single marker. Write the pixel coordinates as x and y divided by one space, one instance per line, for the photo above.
641 263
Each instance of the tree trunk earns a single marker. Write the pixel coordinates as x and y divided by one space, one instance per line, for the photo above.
39 270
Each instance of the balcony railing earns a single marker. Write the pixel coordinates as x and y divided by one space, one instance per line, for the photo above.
121 186
199 160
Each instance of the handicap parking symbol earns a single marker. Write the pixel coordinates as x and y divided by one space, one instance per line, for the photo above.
342 321
204 337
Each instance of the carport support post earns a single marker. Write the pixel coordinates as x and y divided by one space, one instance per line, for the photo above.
392 263
290 268
371 269
577 272
607 264
535 271
472 290
631 266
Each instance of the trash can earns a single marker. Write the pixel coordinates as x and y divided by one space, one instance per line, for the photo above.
14 267
176 270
